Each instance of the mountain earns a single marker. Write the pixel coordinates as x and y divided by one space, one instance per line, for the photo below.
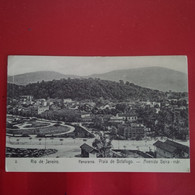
159 78
33 77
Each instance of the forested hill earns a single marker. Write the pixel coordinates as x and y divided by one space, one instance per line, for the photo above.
84 89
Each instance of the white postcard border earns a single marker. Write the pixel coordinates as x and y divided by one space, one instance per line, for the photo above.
97 165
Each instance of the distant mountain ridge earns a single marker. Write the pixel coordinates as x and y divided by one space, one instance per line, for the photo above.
163 79
159 78
33 77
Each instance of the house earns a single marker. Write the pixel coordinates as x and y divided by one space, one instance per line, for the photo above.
115 120
131 117
171 149
121 117
41 109
44 103
40 102
67 100
85 115
26 98
88 151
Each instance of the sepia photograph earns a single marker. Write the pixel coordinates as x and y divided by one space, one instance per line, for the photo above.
97 108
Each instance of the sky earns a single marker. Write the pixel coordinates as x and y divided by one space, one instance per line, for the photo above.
84 66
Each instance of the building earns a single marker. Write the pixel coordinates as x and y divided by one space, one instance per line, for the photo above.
88 151
26 98
171 149
115 120
131 117
40 102
182 149
41 109
132 131
151 104
121 117
67 100
85 115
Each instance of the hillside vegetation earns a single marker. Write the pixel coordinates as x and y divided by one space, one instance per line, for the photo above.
84 89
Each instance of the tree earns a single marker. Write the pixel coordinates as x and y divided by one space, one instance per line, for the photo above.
83 89
127 83
121 107
98 122
103 145
121 82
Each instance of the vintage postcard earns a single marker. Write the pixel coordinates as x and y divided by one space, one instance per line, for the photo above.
97 114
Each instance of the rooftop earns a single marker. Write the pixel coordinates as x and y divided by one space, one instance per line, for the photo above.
165 146
171 146
87 148
127 114
177 145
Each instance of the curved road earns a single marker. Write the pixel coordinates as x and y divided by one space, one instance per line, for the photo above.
71 128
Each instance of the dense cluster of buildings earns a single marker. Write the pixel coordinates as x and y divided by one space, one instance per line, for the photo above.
122 122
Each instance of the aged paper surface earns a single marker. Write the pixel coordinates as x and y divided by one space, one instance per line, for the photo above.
127 114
